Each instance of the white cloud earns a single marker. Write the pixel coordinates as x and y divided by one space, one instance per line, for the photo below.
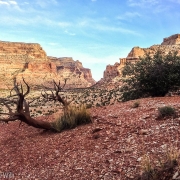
98 25
9 20
45 3
129 16
8 3
175 1
35 21
4 3
143 3
69 33
13 2
157 6
115 29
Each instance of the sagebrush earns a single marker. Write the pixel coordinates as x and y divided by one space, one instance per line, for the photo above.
166 111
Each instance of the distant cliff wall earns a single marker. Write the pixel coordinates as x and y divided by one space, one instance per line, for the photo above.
169 44
30 61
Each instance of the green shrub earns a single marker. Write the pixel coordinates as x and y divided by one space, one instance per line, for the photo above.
166 111
98 105
72 117
151 76
40 112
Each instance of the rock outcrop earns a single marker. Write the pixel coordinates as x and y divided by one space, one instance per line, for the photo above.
169 44
77 75
112 71
30 61
172 40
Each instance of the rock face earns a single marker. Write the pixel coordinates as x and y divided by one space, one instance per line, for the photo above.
169 44
30 61
172 40
112 71
77 75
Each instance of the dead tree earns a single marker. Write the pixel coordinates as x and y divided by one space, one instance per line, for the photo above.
22 112
55 96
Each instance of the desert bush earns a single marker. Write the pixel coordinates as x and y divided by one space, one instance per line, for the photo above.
151 76
166 169
147 169
166 111
98 105
135 104
88 106
39 111
72 117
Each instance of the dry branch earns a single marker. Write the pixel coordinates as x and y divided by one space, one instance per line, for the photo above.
22 112
55 96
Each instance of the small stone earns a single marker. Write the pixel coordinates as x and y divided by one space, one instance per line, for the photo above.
57 151
96 130
96 136
128 140
128 150
175 175
143 132
80 168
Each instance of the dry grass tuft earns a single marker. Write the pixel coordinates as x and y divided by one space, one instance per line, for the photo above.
166 169
72 117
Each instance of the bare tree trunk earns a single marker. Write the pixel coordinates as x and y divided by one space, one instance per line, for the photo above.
22 110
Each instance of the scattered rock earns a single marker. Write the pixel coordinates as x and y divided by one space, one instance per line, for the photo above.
96 130
143 132
176 175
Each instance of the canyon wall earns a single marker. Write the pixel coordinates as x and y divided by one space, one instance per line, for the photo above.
30 61
77 75
169 44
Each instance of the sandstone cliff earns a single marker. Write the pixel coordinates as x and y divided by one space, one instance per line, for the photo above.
77 75
30 61
169 44
172 40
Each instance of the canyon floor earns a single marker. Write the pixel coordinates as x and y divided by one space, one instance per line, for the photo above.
119 143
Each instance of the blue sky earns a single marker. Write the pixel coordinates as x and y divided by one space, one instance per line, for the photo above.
96 32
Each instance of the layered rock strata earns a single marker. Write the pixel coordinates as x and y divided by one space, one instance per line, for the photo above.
77 75
30 61
169 44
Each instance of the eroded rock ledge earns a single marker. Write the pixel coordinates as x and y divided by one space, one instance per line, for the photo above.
30 61
169 44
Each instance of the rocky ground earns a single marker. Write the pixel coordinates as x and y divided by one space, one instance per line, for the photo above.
120 142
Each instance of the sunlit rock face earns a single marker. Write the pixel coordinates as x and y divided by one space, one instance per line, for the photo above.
30 61
77 75
169 44
172 40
